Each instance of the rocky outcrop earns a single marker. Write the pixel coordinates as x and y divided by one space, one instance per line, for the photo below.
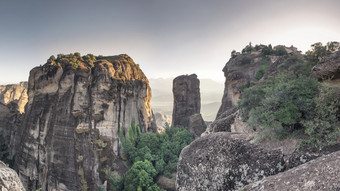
168 184
328 68
224 161
196 125
10 123
302 155
14 93
187 99
162 119
76 108
9 180
320 174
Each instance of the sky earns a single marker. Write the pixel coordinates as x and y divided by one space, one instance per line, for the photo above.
166 38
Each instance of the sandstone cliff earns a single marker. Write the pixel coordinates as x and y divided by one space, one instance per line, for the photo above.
14 93
76 108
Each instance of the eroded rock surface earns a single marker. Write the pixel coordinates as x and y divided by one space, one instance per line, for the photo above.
196 125
75 111
224 161
14 93
162 119
9 180
187 99
328 68
305 154
320 174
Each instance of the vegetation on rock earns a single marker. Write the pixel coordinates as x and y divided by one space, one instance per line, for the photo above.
290 102
149 155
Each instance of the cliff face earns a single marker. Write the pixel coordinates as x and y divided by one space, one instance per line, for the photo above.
187 99
76 108
15 93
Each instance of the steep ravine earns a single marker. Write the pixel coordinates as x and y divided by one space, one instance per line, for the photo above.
69 136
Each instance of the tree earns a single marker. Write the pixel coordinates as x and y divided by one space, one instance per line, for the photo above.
140 176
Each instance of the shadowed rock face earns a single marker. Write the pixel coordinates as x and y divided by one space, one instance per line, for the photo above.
70 132
320 174
15 93
328 68
9 180
224 161
187 99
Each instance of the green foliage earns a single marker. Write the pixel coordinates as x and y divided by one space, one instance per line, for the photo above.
324 127
151 154
140 176
281 104
248 48
267 50
244 60
280 51
259 74
318 51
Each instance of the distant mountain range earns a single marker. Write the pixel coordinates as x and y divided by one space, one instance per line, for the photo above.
162 98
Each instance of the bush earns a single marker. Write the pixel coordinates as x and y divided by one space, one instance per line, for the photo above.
282 103
259 74
244 60
324 128
280 51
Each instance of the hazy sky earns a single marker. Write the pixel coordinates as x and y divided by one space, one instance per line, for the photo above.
165 37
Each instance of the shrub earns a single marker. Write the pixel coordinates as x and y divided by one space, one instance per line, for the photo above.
324 128
282 103
262 70
280 51
244 60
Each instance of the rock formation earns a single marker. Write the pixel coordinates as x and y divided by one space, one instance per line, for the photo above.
14 93
76 108
305 154
224 161
319 174
196 125
162 119
328 68
240 72
187 99
9 180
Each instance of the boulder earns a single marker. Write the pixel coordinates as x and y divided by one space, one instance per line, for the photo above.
328 68
187 99
166 183
196 125
9 180
302 155
224 161
320 174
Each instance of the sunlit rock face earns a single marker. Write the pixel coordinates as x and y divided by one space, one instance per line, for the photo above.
14 93
74 114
